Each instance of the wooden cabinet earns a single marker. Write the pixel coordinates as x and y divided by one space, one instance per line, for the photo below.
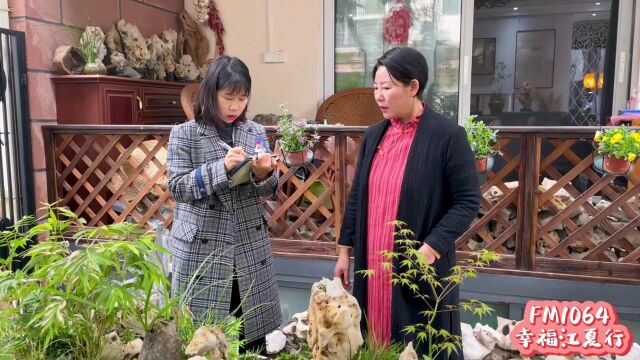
99 99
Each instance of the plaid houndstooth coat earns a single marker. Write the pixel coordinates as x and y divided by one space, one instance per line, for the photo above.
215 228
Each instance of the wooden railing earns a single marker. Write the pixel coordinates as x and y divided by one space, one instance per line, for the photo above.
582 226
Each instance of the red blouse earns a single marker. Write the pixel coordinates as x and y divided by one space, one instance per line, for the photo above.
385 181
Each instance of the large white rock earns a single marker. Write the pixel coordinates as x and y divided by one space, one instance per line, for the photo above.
409 353
473 349
276 341
334 321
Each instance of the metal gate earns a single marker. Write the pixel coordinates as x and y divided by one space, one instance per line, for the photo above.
16 169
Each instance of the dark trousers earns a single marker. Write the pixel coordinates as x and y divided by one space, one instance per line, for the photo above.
257 346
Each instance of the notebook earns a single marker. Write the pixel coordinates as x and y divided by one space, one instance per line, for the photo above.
241 174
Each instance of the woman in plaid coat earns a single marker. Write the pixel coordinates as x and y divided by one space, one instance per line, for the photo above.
222 254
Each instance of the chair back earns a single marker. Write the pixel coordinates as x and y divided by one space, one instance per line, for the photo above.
188 98
350 107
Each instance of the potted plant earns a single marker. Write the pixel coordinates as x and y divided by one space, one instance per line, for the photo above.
89 47
295 141
482 141
619 148
496 102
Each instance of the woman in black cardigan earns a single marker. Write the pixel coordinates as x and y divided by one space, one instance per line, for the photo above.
416 167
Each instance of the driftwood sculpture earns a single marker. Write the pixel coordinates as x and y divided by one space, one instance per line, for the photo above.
192 41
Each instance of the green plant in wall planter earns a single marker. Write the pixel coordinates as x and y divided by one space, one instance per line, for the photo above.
295 141
482 141
415 270
67 298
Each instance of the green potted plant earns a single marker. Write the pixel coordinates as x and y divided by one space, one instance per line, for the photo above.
496 102
619 148
295 141
482 141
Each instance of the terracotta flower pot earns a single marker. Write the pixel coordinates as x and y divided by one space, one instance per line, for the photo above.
296 158
484 164
616 166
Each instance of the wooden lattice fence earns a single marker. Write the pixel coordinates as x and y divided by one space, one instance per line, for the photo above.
545 208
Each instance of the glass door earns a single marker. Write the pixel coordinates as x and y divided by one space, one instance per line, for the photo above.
365 29
546 62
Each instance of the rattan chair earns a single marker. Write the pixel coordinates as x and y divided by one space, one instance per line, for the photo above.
350 107
187 99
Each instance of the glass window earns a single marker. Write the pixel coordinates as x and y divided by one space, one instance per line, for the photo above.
365 29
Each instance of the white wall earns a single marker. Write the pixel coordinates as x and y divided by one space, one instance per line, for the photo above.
4 15
297 30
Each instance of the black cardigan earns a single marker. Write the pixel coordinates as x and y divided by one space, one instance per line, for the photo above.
439 197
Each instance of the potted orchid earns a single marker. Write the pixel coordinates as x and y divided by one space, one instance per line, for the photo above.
295 139
619 148
482 141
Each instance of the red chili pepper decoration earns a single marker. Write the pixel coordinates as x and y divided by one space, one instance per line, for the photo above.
215 23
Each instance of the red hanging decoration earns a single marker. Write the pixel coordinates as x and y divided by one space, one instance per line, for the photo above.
397 25
215 23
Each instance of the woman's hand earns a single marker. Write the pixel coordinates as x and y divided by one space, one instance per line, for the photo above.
263 165
342 267
233 158
430 255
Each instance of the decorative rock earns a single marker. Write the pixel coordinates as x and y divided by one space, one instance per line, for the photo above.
201 8
132 349
135 45
334 321
156 51
473 349
505 326
67 61
209 341
162 342
409 353
499 354
118 59
113 42
487 336
276 342
186 68
169 37
94 35
634 353
113 347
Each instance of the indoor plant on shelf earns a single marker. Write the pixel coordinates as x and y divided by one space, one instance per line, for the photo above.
482 141
496 102
295 141
619 148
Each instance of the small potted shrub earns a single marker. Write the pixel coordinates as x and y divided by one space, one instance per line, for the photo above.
482 141
295 141
619 148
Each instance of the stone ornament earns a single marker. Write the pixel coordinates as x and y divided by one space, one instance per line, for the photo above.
94 35
202 10
409 353
334 321
209 341
135 46
186 69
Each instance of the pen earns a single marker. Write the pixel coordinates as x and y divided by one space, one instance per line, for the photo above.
227 147
224 145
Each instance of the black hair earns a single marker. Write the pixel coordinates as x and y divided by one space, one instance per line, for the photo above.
224 73
405 64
